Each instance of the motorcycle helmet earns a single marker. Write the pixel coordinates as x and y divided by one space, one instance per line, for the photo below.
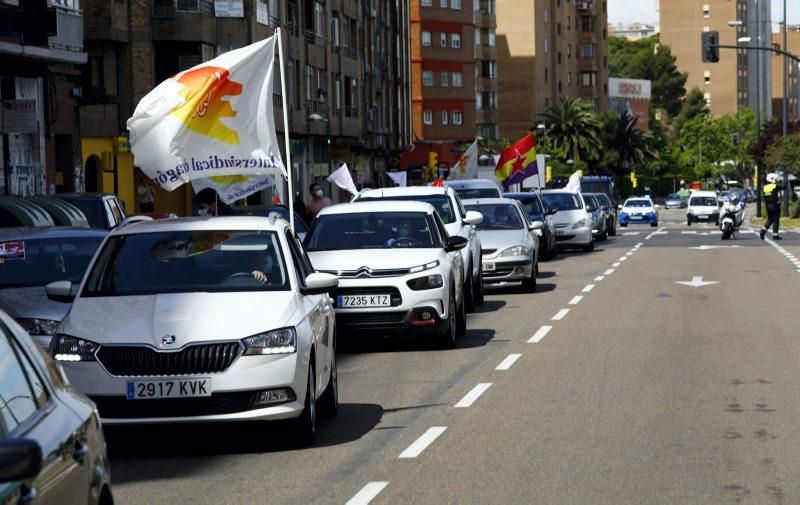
734 198
772 177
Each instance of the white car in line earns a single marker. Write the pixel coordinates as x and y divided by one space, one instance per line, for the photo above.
511 246
573 221
456 220
399 272
202 319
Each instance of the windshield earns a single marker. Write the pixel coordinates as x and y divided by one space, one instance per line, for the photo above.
39 262
94 211
532 205
591 201
476 193
672 197
381 230
562 201
188 261
441 202
703 201
498 216
638 203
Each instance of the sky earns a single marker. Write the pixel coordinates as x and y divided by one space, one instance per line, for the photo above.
644 11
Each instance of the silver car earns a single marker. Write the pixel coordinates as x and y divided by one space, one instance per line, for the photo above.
510 246
52 448
34 257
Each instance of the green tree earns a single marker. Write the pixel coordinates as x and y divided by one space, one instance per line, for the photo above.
573 130
648 59
634 147
693 105
784 155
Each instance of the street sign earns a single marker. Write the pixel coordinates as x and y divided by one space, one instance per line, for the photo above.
19 116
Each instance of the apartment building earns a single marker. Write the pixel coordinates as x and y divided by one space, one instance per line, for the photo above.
548 49
347 73
793 45
633 31
443 84
486 82
741 78
41 51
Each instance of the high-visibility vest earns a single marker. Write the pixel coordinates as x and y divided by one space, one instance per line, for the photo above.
771 194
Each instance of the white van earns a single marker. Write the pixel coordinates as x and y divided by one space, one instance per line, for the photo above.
703 206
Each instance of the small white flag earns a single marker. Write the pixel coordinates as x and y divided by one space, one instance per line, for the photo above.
212 120
342 178
399 178
467 166
574 182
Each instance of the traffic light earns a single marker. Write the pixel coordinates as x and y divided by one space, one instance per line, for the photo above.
548 173
710 50
634 180
433 160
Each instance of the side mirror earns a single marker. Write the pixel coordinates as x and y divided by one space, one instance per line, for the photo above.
591 208
550 212
60 291
473 217
536 225
619 207
20 459
319 283
458 242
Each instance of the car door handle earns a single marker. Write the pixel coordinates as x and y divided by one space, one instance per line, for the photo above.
80 452
28 495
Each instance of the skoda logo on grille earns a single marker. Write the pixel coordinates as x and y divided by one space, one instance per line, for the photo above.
168 339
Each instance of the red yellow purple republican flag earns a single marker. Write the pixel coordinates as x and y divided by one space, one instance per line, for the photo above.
518 162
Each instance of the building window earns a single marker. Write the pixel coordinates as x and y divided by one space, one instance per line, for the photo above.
426 39
444 117
588 78
707 77
335 28
707 96
477 37
587 23
427 78
445 79
455 4
491 37
455 40
457 79
488 68
457 119
588 51
427 117
546 45
478 100
443 4
443 39
426 3
706 11
546 16
337 89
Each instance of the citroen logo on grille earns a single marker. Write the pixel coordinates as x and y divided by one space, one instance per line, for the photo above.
364 272
168 339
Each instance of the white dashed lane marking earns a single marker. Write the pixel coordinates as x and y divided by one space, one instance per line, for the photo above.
609 271
367 493
576 300
423 442
473 395
560 314
599 278
540 334
508 362
588 288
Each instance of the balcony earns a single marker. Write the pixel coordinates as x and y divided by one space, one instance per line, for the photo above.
584 6
167 9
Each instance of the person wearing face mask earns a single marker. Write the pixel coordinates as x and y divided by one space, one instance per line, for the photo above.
318 201
209 204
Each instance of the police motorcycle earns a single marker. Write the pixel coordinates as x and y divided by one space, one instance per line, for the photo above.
731 215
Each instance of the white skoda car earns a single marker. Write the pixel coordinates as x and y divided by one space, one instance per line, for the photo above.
399 272
202 319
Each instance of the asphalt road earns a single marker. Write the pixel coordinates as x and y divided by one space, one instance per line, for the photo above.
611 384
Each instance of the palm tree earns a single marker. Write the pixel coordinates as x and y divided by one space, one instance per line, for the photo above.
574 130
633 146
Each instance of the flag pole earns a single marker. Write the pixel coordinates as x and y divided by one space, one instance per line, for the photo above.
290 196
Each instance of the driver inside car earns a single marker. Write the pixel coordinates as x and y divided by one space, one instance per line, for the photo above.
262 265
402 232
503 218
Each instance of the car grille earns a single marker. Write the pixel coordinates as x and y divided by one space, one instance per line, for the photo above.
392 291
381 320
119 407
559 226
500 271
367 273
145 361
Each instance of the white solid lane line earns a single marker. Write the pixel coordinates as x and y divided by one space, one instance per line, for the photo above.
473 395
510 360
588 288
423 442
609 271
576 300
367 493
560 314
599 278
540 334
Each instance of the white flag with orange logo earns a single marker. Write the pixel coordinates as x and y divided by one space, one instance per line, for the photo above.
467 165
212 120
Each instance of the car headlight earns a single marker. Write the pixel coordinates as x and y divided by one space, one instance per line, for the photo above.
422 268
427 282
38 326
280 341
514 251
69 348
579 224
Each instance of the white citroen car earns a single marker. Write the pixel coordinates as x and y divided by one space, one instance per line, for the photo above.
457 221
202 319
399 272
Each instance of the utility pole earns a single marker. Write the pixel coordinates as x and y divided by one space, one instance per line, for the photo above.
785 109
758 106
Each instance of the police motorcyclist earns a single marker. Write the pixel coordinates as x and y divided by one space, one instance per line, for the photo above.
772 198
